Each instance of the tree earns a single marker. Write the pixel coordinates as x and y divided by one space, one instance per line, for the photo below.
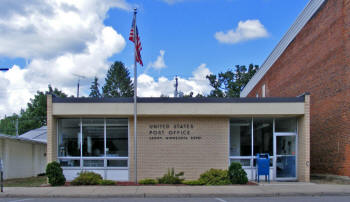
94 89
33 117
8 125
118 82
231 82
36 108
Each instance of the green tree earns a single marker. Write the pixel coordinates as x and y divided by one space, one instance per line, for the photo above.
33 117
8 124
36 108
94 89
231 82
118 82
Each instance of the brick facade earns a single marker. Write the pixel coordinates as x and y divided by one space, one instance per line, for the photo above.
51 132
193 156
318 61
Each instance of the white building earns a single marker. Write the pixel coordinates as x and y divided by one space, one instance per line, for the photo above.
24 156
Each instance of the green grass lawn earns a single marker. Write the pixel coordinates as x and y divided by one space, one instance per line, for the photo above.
26 182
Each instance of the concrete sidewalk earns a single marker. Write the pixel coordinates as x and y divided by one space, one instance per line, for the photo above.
280 189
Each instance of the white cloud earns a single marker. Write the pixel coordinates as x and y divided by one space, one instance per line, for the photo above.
49 28
246 30
61 38
159 63
197 83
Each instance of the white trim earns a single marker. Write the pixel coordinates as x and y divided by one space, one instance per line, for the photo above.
252 147
274 173
310 9
105 145
285 134
263 91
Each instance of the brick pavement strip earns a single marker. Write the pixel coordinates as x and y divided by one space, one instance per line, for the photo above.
303 189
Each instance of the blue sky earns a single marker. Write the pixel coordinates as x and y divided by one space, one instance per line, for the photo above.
186 31
47 42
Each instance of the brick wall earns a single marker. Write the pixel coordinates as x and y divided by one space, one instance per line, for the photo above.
304 143
318 61
51 132
191 156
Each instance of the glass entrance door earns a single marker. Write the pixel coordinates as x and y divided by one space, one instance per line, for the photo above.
285 157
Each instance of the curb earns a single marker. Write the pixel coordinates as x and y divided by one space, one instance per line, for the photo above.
145 195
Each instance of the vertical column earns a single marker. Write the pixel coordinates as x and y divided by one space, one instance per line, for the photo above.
304 143
131 159
51 132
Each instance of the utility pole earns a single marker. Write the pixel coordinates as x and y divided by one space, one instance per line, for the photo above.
17 127
176 92
79 77
1 176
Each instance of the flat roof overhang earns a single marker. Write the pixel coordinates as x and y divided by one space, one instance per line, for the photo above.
178 106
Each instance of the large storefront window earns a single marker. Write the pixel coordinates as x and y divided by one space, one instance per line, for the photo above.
93 137
104 142
69 141
241 137
117 137
241 140
251 136
263 136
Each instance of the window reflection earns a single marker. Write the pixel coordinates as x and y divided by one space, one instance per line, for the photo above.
93 137
286 145
240 137
263 136
69 138
100 139
117 138
286 125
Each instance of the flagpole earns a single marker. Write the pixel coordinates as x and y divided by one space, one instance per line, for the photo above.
135 98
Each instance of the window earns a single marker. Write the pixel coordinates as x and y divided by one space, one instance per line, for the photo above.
93 137
286 125
286 145
69 137
263 90
117 137
241 137
104 142
243 141
263 136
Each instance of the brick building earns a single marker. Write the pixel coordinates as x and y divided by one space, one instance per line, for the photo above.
314 56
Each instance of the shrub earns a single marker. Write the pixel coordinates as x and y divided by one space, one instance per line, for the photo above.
148 181
192 182
87 178
236 174
171 177
55 174
215 177
107 182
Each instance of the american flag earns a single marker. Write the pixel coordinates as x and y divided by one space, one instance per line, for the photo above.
137 43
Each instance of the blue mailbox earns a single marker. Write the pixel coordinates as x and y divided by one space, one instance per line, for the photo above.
263 166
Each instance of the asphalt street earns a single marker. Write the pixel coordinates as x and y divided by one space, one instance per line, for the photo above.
233 199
